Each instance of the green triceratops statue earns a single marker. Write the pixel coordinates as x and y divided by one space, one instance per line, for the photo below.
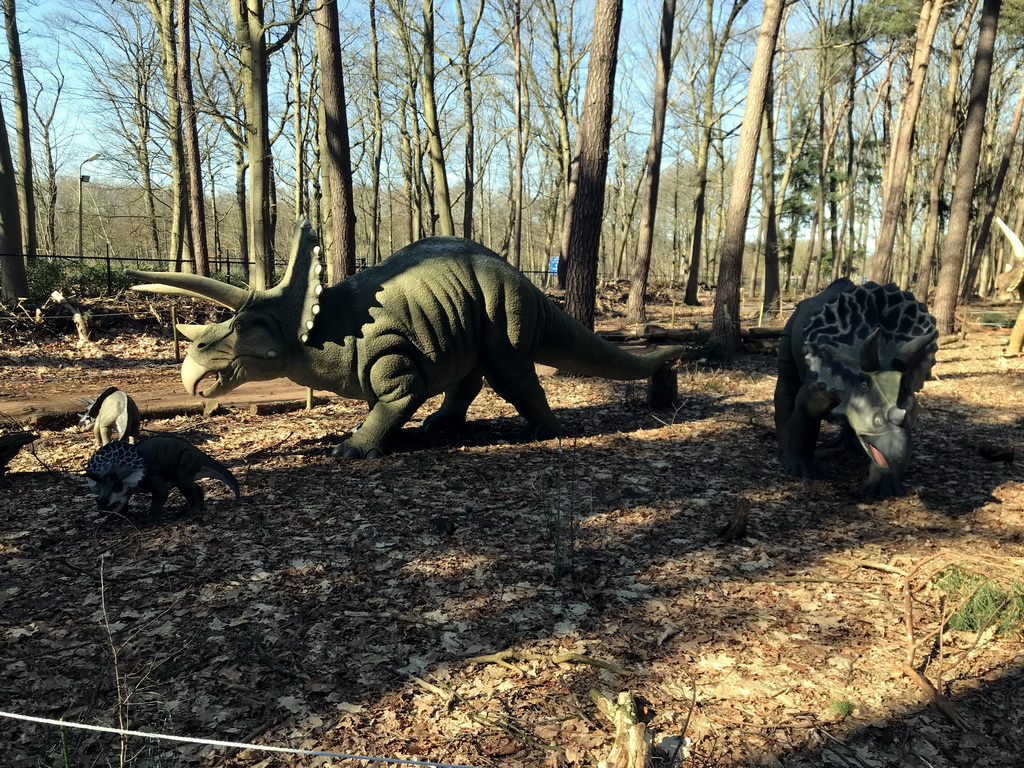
860 352
438 316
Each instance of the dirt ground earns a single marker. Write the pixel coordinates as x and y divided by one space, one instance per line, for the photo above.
460 603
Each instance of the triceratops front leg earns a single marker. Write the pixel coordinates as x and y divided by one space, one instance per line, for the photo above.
798 427
398 391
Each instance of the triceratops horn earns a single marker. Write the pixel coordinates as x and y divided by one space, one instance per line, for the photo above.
869 352
912 349
196 286
191 332
896 415
1015 243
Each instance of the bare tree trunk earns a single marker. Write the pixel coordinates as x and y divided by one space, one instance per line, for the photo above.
725 323
517 180
898 162
772 302
445 223
923 286
991 199
334 142
467 70
591 164
970 150
190 143
13 277
26 189
636 306
377 151
708 122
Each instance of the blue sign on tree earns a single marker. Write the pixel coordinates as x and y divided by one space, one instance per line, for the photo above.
553 266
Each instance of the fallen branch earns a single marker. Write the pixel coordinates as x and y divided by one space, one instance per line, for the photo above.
857 563
81 324
940 702
502 658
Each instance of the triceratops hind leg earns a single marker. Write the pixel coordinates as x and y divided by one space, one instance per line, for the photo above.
523 390
451 416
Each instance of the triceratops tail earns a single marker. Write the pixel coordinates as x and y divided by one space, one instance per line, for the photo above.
568 345
216 470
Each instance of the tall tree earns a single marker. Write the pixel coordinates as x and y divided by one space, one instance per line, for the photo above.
771 304
947 292
334 141
467 69
991 200
190 143
923 286
709 118
26 189
254 51
898 163
13 276
431 119
636 306
586 200
725 322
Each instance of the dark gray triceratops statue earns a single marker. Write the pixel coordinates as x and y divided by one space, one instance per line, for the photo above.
860 352
436 317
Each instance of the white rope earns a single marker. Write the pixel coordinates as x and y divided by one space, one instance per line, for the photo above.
229 744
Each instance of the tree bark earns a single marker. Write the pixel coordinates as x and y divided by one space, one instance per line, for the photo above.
923 285
708 122
334 142
946 293
771 304
898 162
591 164
445 222
636 306
190 143
13 277
26 189
992 199
725 323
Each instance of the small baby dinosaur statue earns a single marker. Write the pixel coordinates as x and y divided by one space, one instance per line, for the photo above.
113 409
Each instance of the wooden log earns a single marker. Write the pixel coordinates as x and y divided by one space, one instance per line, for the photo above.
81 324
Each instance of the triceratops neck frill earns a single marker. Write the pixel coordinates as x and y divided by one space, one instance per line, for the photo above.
116 456
301 284
836 334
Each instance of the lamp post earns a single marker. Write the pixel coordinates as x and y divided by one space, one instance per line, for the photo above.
81 182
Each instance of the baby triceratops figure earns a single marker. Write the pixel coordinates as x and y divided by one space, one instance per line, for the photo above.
154 465
860 352
113 409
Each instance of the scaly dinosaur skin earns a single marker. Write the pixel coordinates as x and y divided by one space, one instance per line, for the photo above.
153 465
860 352
113 409
438 316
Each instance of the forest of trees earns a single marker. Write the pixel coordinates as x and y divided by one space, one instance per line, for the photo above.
759 148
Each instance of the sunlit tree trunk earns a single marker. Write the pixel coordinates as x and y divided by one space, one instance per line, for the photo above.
991 199
190 143
636 306
709 120
13 277
334 142
725 323
435 151
26 187
947 292
377 148
923 286
586 202
898 163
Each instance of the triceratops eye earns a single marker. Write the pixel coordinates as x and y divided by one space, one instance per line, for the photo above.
864 386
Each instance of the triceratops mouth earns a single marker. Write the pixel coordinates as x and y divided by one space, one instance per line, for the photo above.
193 374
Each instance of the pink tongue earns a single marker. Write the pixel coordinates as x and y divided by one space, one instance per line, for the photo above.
878 457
